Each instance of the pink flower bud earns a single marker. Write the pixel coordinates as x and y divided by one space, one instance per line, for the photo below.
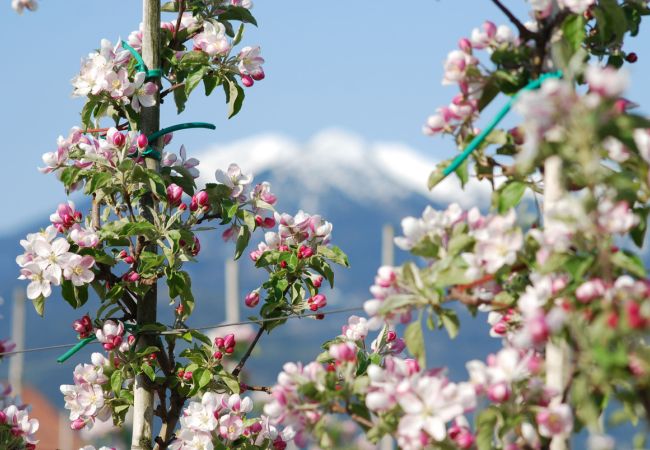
118 139
269 222
258 75
252 299
465 45
490 29
182 207
305 252
77 424
229 340
317 281
499 393
142 141
218 342
202 198
218 355
345 351
3 417
129 259
168 138
256 427
132 276
194 205
187 376
174 194
538 329
391 336
591 290
500 328
247 81
317 302
412 365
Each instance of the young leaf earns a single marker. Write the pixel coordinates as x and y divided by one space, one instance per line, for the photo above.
510 195
415 341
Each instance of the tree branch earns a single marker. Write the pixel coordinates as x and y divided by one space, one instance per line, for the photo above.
524 32
336 408
240 366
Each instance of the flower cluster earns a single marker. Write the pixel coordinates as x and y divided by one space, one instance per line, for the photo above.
47 260
86 398
302 230
290 406
428 401
497 238
14 418
463 68
105 73
222 418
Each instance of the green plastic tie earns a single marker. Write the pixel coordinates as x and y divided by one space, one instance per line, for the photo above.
81 344
142 67
153 153
85 341
460 159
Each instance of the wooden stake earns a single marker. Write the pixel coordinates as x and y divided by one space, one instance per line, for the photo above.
18 337
142 438
232 291
387 246
557 356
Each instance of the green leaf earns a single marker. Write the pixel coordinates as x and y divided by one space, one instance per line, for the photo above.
39 305
437 175
486 426
234 96
148 370
414 339
242 241
143 228
574 31
116 381
169 7
210 82
510 195
397 301
193 79
180 98
629 262
238 37
98 181
450 321
334 254
238 13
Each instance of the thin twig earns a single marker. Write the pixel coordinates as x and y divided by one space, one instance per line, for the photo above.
336 408
524 32
244 358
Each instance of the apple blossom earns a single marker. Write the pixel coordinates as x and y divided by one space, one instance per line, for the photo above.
556 420
110 334
250 62
212 40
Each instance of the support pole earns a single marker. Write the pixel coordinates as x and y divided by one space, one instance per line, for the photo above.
557 356
18 337
142 438
387 259
387 246
232 291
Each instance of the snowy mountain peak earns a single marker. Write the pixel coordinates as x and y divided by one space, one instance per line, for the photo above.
335 160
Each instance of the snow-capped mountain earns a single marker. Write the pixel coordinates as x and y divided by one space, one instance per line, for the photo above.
356 185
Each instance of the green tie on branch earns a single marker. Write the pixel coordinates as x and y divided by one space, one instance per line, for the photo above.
460 159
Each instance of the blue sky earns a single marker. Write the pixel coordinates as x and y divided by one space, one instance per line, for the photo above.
372 67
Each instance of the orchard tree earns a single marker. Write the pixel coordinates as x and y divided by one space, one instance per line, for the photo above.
143 227
566 296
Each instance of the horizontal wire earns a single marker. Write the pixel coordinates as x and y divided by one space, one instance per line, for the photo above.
185 330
